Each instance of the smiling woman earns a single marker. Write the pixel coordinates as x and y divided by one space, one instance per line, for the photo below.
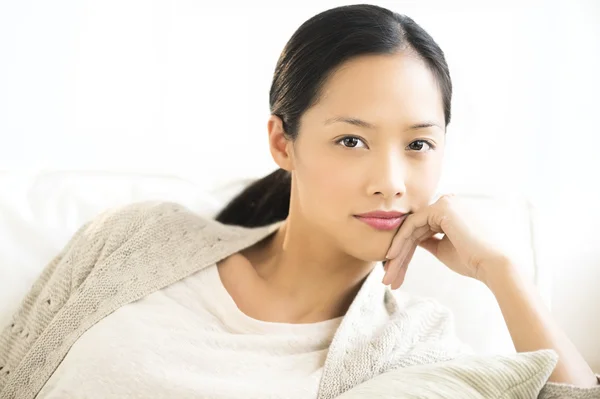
281 296
372 80
359 111
364 131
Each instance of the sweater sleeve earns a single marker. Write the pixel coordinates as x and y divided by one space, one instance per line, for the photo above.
554 390
37 307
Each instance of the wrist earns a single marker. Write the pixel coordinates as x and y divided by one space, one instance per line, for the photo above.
497 272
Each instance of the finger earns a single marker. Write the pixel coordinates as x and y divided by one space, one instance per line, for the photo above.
386 265
412 228
456 231
439 217
390 271
445 219
399 279
407 252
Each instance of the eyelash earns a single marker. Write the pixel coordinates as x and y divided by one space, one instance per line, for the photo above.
429 143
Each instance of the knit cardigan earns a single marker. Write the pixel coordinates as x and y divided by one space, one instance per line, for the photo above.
126 253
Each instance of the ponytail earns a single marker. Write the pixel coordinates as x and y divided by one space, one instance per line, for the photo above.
263 202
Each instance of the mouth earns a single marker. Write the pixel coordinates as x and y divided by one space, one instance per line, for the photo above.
383 223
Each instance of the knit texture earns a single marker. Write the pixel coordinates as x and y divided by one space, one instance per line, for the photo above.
514 376
127 253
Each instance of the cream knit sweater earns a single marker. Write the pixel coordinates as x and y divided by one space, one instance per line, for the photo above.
128 253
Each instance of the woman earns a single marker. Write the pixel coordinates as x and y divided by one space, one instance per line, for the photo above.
281 296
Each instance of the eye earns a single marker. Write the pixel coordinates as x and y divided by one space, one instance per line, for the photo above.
350 141
419 145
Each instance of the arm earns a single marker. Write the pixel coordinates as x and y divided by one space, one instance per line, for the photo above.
531 325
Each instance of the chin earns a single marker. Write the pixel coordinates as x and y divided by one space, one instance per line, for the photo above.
373 255
374 248
364 242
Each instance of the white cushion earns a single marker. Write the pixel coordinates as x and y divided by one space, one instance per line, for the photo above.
40 211
520 375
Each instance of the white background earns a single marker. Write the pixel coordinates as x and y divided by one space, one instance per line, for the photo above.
173 86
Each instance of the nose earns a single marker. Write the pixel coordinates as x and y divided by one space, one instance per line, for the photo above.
388 175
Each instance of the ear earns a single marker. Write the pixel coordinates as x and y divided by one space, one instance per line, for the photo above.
280 146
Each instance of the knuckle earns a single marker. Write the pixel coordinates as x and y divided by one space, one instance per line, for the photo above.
446 202
440 218
446 198
408 236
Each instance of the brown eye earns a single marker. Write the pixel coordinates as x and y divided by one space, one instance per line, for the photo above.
350 141
418 145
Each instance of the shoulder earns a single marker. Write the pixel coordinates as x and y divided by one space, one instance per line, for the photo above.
119 224
129 228
133 216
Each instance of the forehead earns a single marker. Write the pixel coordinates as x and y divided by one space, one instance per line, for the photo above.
398 86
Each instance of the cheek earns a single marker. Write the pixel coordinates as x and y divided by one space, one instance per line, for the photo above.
422 183
326 190
328 197
326 184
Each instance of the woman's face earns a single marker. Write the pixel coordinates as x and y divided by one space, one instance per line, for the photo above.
378 162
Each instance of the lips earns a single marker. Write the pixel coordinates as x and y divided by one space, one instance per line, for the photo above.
381 220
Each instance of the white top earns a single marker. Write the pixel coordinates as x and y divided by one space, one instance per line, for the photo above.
190 340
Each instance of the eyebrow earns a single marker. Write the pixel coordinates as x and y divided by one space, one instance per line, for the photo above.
365 124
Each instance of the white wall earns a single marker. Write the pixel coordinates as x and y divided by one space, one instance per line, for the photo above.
169 86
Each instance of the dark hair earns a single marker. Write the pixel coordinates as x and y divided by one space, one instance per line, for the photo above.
315 50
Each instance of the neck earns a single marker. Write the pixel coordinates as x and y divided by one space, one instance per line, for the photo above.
304 275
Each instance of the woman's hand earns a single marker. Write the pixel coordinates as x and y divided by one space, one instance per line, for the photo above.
460 249
529 322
